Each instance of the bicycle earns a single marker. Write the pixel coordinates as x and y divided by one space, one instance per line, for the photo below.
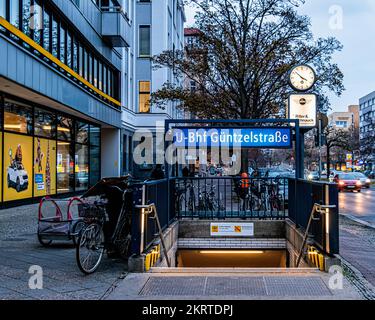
92 241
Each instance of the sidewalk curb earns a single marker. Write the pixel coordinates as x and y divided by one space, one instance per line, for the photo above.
355 277
355 219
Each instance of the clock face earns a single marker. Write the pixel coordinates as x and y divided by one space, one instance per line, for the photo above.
302 78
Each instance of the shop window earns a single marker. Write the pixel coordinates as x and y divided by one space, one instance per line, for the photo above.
94 165
65 128
45 123
44 167
81 167
144 96
95 135
82 132
18 117
65 167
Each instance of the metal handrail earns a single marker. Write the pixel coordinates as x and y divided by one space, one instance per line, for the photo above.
148 210
317 208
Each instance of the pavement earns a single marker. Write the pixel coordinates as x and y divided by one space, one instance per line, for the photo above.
62 280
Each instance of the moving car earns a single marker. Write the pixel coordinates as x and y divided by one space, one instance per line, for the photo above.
313 176
348 181
366 182
17 177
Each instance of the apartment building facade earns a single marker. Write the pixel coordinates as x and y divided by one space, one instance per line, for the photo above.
157 26
367 129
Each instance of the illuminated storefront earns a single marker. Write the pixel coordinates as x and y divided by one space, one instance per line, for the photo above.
45 152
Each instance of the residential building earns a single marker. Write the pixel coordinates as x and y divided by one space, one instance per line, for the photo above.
60 95
367 129
157 26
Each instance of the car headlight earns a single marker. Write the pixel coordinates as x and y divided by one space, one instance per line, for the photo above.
310 177
341 183
368 181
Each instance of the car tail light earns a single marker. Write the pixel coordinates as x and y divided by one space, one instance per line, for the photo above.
358 183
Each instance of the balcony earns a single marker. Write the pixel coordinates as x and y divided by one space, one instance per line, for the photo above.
115 26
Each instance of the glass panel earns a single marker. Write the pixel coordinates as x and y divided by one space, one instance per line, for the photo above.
3 8
62 45
18 117
94 135
144 102
46 30
68 50
109 82
75 56
45 123
65 167
18 166
82 132
82 167
14 12
89 68
86 64
37 21
26 17
44 167
95 73
94 165
144 41
81 61
105 79
65 128
55 37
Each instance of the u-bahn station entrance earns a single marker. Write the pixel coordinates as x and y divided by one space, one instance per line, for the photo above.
234 234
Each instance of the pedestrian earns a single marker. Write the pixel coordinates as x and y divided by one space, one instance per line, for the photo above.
157 173
185 172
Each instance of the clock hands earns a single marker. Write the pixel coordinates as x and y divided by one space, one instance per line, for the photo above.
301 76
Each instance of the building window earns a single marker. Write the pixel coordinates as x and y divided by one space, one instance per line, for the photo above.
65 128
14 11
65 167
105 79
26 17
45 123
3 8
18 117
100 76
95 73
55 37
62 44
144 96
75 56
82 132
144 41
81 167
46 31
69 50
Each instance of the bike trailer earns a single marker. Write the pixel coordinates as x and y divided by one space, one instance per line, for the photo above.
59 220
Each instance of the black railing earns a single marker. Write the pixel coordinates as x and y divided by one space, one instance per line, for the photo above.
302 197
231 197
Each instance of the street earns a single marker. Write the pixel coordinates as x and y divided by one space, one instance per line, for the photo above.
359 205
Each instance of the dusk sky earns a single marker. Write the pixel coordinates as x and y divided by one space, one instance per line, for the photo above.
355 29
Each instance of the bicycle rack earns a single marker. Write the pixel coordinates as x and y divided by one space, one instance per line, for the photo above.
317 208
148 210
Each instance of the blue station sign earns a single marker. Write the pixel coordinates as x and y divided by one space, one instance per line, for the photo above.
270 137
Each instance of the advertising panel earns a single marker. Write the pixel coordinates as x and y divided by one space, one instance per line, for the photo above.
44 167
303 107
18 166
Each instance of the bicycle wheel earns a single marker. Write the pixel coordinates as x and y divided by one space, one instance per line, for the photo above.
90 248
77 229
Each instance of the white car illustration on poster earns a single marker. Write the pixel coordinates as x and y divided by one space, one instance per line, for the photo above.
17 177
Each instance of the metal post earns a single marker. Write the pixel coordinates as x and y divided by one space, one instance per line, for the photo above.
142 242
320 148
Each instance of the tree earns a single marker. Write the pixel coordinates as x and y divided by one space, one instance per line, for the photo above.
339 138
247 48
